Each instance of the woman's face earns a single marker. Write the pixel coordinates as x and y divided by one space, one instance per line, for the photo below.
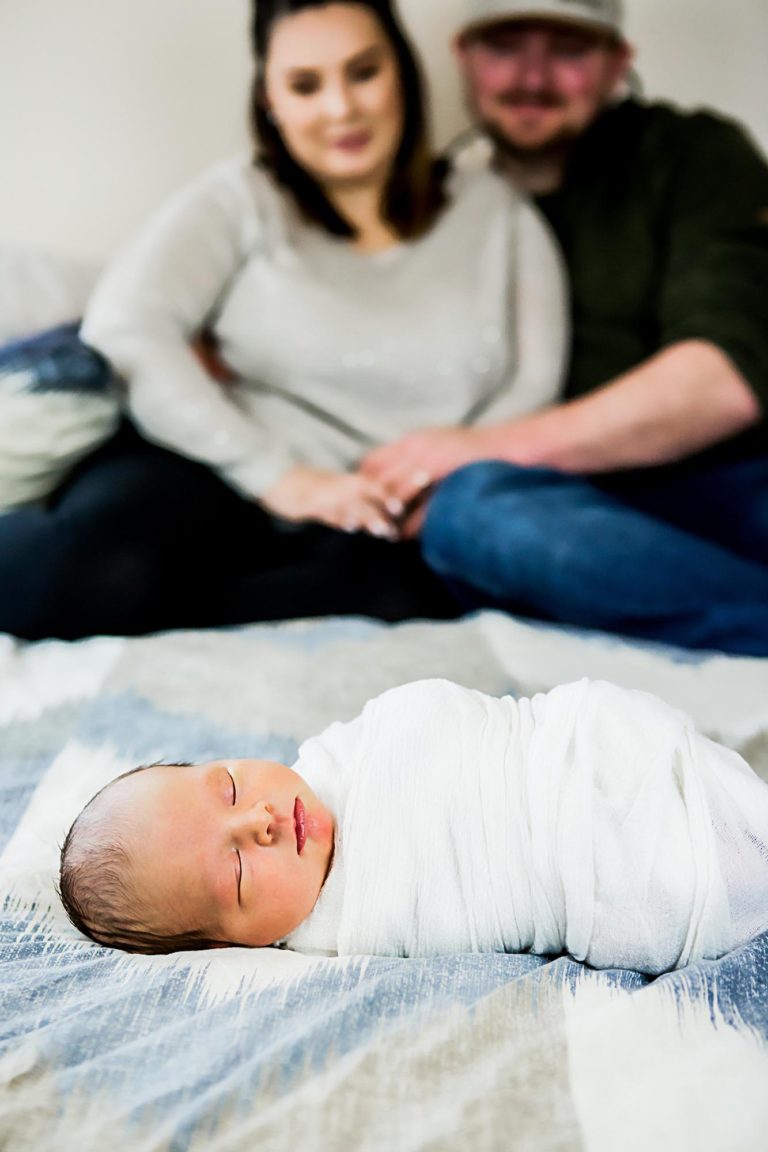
333 88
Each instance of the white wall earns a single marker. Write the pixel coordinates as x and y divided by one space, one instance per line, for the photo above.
107 105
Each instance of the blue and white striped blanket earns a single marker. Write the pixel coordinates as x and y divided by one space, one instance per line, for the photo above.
271 1050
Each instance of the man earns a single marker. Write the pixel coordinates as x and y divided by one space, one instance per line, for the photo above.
640 504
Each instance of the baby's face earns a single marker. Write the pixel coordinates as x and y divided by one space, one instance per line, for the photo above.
238 848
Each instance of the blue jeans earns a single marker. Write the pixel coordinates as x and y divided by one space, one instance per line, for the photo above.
679 557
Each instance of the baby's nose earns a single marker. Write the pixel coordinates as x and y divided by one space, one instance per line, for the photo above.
260 823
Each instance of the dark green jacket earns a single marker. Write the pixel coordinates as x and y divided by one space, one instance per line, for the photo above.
663 219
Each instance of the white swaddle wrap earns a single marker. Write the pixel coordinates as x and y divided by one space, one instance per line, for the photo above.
593 819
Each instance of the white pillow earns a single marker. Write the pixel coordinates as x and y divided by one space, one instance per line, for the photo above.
58 402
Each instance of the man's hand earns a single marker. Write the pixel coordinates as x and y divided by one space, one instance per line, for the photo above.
680 401
408 467
206 350
349 501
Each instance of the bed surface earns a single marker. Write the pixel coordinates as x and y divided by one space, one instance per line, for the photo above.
239 1049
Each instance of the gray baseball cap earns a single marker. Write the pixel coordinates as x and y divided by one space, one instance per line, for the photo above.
604 15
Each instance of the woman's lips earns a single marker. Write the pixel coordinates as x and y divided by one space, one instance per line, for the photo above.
353 142
300 824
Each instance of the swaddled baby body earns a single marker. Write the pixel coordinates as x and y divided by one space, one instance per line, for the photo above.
592 820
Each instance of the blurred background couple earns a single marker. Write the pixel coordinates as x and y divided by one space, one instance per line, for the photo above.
359 377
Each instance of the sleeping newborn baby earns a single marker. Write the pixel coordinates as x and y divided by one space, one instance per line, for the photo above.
592 820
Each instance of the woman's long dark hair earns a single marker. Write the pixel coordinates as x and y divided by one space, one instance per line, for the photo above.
414 193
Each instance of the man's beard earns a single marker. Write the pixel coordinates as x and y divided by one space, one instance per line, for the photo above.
555 148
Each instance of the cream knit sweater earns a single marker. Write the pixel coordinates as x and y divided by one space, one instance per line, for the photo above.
335 350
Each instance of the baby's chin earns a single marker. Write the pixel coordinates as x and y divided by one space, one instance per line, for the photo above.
332 853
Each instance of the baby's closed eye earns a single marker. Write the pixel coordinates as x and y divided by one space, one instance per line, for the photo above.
238 872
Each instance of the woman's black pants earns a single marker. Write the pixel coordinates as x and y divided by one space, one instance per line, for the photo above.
140 539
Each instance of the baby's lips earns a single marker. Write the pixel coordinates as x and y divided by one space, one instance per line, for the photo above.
300 825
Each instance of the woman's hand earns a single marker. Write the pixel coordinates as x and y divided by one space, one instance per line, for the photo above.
408 467
348 501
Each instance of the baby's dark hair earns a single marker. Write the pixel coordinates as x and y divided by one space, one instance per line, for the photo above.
95 890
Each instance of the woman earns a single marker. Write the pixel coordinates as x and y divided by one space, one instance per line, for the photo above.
355 294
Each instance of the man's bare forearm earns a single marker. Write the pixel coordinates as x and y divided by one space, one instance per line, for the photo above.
682 400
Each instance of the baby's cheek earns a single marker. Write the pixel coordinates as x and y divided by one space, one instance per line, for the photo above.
299 901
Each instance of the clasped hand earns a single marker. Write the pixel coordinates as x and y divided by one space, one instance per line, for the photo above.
388 493
345 500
